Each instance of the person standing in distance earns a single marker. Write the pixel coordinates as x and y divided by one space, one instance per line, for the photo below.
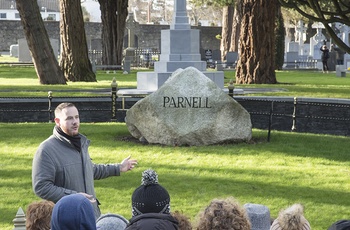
324 58
62 164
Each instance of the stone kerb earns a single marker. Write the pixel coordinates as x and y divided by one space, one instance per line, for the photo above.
189 109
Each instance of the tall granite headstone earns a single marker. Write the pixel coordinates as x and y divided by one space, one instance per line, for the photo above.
189 109
179 49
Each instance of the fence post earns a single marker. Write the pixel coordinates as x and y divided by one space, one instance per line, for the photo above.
50 106
294 126
20 220
270 122
114 86
230 88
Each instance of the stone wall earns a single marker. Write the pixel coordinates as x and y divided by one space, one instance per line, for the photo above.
147 36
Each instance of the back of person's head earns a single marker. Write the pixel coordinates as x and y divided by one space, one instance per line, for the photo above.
340 225
223 214
150 197
73 212
291 218
183 220
111 222
259 216
38 215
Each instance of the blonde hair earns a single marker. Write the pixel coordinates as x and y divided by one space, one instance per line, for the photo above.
291 219
224 214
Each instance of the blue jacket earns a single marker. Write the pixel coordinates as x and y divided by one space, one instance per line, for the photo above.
59 169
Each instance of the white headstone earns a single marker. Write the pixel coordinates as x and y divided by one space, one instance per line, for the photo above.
189 109
14 50
317 41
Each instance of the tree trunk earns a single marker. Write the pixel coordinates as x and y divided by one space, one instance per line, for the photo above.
280 38
74 54
45 62
256 64
113 17
227 17
236 26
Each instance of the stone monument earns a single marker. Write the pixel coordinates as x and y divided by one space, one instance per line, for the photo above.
317 41
180 48
24 54
189 109
129 52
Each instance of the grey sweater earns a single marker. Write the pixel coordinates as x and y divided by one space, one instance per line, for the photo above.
59 169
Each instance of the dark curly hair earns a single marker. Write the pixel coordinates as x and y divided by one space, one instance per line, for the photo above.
184 221
223 214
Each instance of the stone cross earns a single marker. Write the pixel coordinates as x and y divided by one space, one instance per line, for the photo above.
300 35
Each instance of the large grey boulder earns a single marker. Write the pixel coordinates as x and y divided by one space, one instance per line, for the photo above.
189 109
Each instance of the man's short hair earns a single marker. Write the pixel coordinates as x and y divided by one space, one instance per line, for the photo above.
62 106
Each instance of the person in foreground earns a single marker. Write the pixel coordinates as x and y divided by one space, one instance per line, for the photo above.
223 214
184 223
151 205
111 221
340 225
62 164
259 216
38 215
73 212
291 218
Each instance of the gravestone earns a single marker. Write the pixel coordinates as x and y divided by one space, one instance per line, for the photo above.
189 109
293 47
179 49
291 58
316 41
24 53
231 58
14 50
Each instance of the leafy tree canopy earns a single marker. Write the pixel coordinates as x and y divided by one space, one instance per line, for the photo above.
328 12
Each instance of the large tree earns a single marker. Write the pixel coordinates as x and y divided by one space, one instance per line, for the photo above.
74 60
325 11
113 16
256 64
45 62
236 26
226 30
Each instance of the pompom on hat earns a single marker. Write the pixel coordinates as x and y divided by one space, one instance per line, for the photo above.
290 219
150 197
259 216
111 222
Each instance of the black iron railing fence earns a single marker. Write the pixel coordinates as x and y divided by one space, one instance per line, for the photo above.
141 58
328 116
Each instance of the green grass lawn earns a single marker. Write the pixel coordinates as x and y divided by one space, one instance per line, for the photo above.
23 82
292 168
